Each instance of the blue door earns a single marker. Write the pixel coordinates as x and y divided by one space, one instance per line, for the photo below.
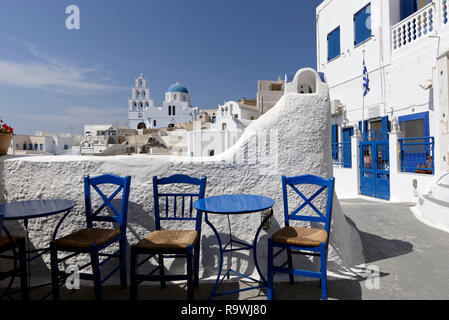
347 150
375 169
375 161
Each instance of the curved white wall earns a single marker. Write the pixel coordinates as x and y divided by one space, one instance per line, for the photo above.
298 138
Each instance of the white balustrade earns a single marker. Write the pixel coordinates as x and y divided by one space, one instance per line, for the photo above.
418 25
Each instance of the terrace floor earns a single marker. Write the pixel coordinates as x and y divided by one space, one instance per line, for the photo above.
412 258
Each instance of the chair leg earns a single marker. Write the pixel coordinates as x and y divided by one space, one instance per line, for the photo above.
197 265
133 271
323 274
96 274
123 276
270 275
23 270
290 266
162 270
54 271
190 281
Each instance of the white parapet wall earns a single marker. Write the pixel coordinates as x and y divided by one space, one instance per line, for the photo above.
293 138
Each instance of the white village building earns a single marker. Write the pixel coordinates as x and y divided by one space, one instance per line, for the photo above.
105 140
392 142
44 143
231 120
143 114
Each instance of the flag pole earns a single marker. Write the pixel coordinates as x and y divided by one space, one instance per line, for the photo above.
363 93
363 99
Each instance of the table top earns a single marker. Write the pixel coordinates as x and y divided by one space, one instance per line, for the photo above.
34 208
234 204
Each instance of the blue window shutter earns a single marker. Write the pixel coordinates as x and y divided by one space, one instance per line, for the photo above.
426 124
357 29
385 125
360 126
347 149
337 42
362 30
334 141
334 133
333 44
365 129
347 134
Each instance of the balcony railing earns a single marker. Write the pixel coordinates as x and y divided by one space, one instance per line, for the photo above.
418 25
342 154
443 11
417 155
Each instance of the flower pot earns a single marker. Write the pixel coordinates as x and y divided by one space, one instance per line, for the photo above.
5 141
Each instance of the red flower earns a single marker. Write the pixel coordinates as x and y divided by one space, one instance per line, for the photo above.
5 129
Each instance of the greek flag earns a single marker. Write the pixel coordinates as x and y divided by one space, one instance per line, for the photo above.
365 79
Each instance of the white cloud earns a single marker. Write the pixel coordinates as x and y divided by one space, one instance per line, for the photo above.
50 73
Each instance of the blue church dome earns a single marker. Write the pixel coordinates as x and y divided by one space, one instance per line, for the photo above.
178 88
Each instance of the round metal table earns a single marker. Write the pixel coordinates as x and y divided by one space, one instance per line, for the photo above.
33 209
230 205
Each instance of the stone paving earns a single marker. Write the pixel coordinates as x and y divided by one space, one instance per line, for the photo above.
412 259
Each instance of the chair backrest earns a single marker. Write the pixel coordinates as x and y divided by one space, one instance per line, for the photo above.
323 185
118 216
182 211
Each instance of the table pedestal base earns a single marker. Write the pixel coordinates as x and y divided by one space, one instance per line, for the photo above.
229 248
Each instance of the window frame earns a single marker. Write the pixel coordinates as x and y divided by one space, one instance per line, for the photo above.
329 58
418 116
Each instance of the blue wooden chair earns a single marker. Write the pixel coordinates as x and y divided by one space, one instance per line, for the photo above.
94 240
302 241
16 245
171 243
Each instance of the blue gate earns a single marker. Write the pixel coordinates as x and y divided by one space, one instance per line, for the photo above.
375 169
375 163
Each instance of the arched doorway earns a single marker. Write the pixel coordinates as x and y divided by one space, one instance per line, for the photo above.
141 126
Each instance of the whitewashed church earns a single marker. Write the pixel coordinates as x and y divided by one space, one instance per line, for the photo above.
143 114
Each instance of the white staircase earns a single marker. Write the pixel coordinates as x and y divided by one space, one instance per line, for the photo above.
433 207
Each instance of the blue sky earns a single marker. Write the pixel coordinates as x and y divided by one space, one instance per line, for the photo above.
56 80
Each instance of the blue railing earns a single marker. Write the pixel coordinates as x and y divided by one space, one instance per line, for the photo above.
342 154
417 155
375 135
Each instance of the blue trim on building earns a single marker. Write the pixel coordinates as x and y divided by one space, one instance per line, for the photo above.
418 116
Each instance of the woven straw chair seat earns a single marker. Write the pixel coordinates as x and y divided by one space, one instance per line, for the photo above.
169 239
306 237
4 240
87 237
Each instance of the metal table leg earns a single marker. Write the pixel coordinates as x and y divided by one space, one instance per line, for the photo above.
262 282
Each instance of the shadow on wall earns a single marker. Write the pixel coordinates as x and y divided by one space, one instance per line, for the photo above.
138 216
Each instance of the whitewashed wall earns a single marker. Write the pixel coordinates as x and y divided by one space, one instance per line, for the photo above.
396 74
298 143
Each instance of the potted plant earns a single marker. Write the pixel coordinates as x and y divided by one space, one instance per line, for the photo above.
6 133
